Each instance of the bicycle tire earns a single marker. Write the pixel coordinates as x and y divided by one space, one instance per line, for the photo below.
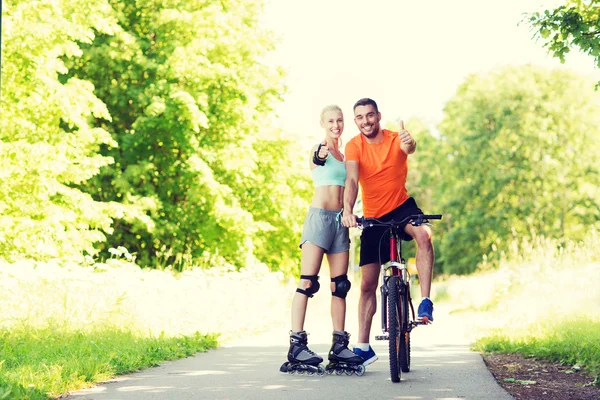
404 344
394 329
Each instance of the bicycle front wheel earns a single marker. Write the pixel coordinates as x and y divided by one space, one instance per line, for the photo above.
404 338
394 328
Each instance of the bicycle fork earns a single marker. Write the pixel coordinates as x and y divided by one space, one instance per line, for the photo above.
392 268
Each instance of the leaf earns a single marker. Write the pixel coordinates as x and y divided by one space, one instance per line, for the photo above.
527 382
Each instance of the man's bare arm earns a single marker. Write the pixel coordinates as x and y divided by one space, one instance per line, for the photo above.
350 194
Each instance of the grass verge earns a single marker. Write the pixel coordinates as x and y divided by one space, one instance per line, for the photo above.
65 327
44 363
574 342
541 302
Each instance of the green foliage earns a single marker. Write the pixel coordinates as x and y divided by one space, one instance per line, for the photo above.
144 125
45 363
188 93
278 197
48 144
523 159
575 24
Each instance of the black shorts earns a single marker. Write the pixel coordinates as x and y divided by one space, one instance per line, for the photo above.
375 241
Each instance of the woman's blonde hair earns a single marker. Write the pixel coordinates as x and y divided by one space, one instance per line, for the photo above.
331 107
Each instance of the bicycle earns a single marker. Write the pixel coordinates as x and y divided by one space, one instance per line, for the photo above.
396 321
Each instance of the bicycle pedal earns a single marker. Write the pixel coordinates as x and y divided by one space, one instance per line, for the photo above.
382 337
422 322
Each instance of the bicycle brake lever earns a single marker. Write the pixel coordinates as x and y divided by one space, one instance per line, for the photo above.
419 221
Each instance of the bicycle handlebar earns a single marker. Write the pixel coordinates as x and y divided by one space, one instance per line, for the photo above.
416 219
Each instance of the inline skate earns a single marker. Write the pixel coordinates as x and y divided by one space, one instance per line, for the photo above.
341 358
300 358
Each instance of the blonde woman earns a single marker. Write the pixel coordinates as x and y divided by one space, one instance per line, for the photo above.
324 234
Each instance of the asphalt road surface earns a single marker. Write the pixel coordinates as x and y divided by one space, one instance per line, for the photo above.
442 367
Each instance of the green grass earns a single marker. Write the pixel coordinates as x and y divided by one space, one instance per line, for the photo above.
43 363
568 341
542 301
66 326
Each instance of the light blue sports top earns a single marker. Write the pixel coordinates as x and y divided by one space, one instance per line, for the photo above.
332 173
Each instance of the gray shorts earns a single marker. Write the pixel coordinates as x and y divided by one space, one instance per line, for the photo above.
324 228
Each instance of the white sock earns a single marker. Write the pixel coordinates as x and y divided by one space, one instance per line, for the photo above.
363 346
423 298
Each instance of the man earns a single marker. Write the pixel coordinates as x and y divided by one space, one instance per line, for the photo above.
378 159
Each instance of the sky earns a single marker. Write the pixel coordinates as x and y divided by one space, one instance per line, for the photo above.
409 56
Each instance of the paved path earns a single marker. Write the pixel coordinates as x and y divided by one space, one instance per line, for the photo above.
442 367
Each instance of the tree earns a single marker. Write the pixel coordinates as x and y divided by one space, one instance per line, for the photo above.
575 24
523 160
190 96
48 144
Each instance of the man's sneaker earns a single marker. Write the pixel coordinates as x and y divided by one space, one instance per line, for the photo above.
369 355
425 312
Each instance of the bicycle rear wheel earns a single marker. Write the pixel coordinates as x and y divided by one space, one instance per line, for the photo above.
394 329
404 339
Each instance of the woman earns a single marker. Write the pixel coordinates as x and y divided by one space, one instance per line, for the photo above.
324 234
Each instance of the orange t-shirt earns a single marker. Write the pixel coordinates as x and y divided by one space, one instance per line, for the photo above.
382 170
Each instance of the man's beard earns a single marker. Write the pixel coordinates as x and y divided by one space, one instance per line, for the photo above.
373 133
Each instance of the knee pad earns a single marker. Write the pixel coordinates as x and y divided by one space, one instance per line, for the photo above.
342 286
314 285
